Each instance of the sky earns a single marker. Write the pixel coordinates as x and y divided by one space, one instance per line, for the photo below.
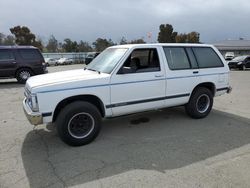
88 20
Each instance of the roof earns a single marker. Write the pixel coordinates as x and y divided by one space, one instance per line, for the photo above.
161 44
16 47
233 45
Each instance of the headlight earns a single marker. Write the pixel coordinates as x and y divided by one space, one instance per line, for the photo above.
239 63
32 101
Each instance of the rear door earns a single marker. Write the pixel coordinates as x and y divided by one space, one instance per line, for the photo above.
7 63
182 74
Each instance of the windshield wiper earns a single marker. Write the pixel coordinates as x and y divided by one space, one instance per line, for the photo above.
85 68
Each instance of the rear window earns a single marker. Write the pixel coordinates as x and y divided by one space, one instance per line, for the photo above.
30 54
207 57
6 55
177 58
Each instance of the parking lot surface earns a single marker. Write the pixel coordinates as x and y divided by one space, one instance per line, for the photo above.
164 148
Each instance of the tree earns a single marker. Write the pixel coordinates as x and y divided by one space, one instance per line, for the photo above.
23 36
166 34
52 45
193 37
84 47
7 40
123 41
101 44
2 36
181 38
70 46
137 41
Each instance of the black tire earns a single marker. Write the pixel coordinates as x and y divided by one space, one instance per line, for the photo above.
200 103
23 74
79 123
243 67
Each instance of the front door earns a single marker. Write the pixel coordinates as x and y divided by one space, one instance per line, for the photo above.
139 84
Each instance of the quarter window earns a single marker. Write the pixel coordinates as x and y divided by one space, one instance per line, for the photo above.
207 58
6 55
30 54
177 58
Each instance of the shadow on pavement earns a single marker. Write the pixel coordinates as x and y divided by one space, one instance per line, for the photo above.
159 141
9 84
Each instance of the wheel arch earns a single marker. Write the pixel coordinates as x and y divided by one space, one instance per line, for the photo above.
209 85
20 68
96 101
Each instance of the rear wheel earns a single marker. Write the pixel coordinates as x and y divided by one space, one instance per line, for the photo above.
23 74
200 103
79 123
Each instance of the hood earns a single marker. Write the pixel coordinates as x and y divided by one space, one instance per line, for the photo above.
66 77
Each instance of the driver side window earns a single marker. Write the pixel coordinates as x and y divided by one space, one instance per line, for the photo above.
141 60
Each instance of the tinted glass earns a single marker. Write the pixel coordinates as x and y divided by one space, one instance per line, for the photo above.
177 58
6 55
30 54
207 57
192 58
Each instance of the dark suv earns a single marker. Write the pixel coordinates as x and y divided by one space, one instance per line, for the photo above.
90 57
21 62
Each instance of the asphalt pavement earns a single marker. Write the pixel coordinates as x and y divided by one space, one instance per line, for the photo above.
162 148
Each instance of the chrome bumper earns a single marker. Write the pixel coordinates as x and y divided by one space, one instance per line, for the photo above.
35 118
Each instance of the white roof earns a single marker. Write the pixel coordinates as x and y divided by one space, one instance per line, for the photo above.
161 44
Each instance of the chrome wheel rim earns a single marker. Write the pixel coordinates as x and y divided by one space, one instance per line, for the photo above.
24 75
203 103
81 125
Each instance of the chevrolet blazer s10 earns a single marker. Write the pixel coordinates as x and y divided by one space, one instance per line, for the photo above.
127 79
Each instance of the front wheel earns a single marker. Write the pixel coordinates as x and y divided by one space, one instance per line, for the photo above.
243 67
79 123
200 103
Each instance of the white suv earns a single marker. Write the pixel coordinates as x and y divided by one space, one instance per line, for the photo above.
123 80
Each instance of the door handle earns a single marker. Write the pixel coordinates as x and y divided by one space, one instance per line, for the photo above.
195 72
14 62
159 75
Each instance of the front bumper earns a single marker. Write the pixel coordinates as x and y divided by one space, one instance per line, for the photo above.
35 118
233 65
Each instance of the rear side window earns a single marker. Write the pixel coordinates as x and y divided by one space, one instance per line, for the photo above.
207 57
6 55
177 58
31 54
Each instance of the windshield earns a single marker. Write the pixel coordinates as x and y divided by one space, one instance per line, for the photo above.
240 58
107 60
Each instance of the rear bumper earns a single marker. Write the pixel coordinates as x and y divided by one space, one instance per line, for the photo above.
40 70
223 90
35 118
229 89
